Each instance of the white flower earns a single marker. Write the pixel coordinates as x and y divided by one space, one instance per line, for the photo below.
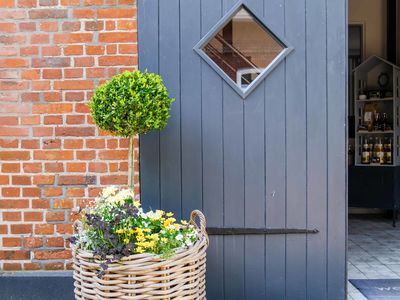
109 191
179 237
188 243
154 215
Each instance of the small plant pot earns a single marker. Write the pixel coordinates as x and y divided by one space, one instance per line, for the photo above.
146 276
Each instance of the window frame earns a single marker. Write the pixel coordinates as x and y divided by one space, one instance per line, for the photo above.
287 48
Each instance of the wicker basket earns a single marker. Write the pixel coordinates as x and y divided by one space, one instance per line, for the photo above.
146 276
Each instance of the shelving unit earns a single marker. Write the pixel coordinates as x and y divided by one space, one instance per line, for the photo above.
376 185
366 78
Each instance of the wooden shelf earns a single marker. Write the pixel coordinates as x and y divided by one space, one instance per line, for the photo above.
376 132
374 100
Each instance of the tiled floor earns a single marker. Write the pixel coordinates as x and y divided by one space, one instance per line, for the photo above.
373 251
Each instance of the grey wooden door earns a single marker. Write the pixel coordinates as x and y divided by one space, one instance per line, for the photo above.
275 159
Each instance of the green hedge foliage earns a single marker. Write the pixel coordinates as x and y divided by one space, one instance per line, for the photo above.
131 103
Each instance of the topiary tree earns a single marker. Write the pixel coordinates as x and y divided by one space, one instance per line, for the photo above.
131 103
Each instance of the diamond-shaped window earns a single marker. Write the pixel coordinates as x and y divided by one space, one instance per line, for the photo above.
242 49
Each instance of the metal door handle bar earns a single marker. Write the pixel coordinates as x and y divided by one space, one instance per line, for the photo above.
252 231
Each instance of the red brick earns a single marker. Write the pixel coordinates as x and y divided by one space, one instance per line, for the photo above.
30 120
95 50
84 13
4 179
98 167
14 204
53 167
52 216
33 242
12 39
64 229
8 74
40 39
73 73
94 25
40 203
30 74
30 97
75 192
52 96
63 203
76 167
127 49
51 144
33 216
81 108
70 38
10 168
117 60
51 51
30 144
45 179
50 120
8 120
44 229
10 192
76 119
84 61
27 26
51 62
52 266
21 180
48 13
7 27
53 192
73 85
6 3
14 255
117 37
21 228
8 143
49 26
13 63
74 131
3 229
53 155
32 167
126 25
14 155
71 26
55 254
73 50
11 216
13 85
85 155
53 108
95 72
12 266
73 144
113 179
52 74
31 266
42 131
111 13
28 51
31 192
11 242
113 154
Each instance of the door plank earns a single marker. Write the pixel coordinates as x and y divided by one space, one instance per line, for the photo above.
337 189
191 103
149 143
316 149
296 135
275 160
233 141
170 140
212 148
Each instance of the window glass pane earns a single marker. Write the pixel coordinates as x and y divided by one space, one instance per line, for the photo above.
243 48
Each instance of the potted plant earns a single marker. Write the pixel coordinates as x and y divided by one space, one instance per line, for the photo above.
120 251
131 103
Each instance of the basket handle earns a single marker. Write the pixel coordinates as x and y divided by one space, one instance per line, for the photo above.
78 226
198 214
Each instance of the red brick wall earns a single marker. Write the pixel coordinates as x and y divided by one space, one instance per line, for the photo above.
52 54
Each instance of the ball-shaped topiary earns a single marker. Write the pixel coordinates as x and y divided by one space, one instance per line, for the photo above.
131 103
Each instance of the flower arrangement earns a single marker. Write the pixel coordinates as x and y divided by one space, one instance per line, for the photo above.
115 226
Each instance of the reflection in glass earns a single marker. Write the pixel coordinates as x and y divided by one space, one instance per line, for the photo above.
243 48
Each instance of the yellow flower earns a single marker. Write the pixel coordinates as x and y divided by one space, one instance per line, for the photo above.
183 222
126 241
119 231
169 221
139 250
170 214
136 203
164 240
